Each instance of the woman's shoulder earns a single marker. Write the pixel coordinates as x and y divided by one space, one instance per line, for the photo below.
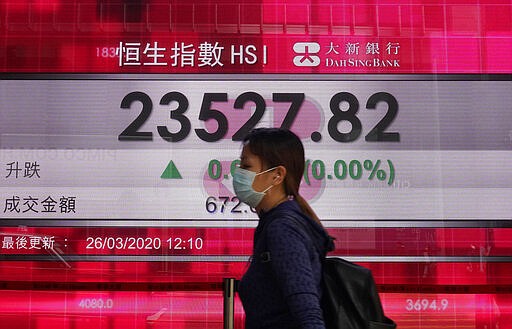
287 222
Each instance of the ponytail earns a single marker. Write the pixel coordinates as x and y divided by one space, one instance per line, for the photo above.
306 208
292 188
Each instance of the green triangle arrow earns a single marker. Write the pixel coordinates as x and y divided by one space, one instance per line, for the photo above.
171 172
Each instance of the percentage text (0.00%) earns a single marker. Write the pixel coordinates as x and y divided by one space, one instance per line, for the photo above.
353 169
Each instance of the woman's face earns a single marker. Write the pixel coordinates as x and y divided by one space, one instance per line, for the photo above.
252 162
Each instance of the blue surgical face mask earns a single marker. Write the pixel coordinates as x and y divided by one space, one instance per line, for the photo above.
242 183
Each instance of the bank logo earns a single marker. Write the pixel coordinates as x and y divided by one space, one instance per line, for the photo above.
306 54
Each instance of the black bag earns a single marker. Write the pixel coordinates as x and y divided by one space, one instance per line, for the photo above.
350 299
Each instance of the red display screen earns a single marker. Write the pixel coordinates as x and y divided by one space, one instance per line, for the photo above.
119 130
150 36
